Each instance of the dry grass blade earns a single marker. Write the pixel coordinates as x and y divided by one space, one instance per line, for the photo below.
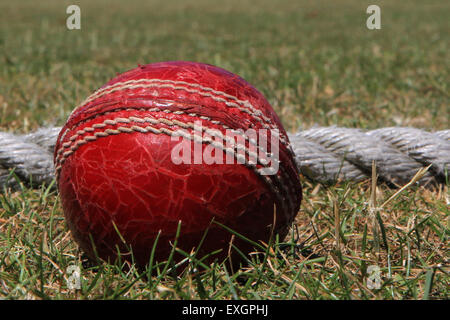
417 177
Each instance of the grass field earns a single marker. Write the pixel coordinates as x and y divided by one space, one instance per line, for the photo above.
316 62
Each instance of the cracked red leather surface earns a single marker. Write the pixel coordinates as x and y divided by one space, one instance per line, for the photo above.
129 179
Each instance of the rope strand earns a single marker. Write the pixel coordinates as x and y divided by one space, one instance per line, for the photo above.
323 154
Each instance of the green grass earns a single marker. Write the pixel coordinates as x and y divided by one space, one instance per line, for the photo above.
316 63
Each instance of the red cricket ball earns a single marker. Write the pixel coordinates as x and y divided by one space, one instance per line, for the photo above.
143 153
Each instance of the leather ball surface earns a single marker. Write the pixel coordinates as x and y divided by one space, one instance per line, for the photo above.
116 173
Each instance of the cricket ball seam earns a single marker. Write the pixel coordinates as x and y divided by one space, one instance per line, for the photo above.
167 111
212 132
220 96
147 83
185 125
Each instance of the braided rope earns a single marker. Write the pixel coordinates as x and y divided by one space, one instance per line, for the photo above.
323 154
328 154
30 156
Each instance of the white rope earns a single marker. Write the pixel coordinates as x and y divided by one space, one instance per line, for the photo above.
327 154
323 154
